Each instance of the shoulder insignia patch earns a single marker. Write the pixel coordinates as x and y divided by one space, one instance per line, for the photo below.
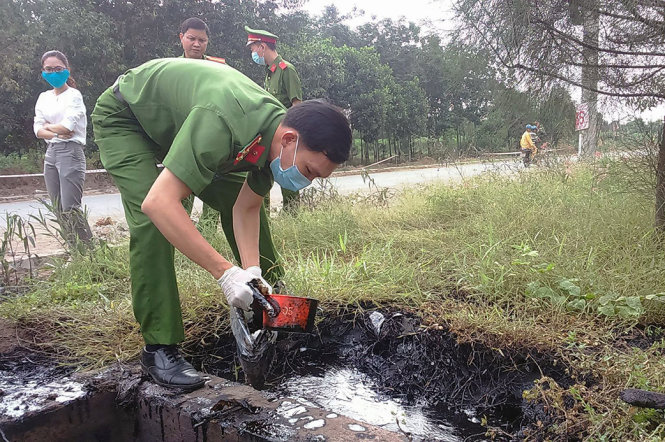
252 152
216 59
282 64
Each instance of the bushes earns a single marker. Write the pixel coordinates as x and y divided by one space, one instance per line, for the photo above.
30 162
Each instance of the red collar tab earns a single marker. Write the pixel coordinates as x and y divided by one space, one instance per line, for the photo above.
257 37
272 68
282 64
252 152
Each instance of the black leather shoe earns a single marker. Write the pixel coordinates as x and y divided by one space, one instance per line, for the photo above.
169 369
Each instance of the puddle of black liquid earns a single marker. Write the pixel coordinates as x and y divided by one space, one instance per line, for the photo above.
267 430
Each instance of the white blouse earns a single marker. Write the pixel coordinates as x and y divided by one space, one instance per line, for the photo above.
66 108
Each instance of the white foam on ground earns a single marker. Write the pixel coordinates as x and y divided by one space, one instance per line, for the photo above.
21 399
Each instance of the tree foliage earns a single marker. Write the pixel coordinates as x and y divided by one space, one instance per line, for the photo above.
545 41
399 84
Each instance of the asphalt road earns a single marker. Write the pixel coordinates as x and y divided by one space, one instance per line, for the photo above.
109 205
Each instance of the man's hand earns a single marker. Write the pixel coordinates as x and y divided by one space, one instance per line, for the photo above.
256 271
234 285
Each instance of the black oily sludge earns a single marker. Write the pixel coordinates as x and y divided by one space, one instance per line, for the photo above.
390 354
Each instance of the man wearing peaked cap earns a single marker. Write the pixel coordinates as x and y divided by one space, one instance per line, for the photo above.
260 35
282 80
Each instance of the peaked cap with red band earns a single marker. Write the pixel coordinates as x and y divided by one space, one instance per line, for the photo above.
258 35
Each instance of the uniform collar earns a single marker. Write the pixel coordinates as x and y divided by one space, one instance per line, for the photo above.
273 67
202 58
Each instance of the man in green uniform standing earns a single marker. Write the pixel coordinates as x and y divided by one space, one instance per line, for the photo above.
281 80
202 121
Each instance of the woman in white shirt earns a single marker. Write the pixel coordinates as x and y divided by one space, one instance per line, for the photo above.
60 120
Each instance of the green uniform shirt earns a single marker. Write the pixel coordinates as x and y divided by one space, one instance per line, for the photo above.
204 117
283 81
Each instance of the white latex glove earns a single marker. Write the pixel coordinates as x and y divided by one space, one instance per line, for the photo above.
234 285
256 271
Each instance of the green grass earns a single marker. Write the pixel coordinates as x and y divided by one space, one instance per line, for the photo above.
30 162
561 261
33 162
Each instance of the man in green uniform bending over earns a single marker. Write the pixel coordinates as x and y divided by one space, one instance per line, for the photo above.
281 80
202 121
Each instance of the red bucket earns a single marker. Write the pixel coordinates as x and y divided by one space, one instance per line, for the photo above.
296 314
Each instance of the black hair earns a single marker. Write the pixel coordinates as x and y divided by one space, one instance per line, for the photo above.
268 44
63 58
323 127
194 23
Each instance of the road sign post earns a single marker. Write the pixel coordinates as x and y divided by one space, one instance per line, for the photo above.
581 123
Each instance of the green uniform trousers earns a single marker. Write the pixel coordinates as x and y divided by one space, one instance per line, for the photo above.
131 158
290 199
209 217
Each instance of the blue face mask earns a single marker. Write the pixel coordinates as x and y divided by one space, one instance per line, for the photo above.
56 79
291 178
258 60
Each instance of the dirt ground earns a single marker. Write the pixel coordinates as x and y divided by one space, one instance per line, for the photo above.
47 244
19 189
8 336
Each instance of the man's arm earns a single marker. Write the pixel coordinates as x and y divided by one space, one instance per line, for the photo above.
163 205
246 225
293 85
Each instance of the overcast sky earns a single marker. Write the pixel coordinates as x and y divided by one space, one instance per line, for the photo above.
432 13
436 16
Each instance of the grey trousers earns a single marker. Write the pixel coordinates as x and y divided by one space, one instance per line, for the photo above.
64 173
